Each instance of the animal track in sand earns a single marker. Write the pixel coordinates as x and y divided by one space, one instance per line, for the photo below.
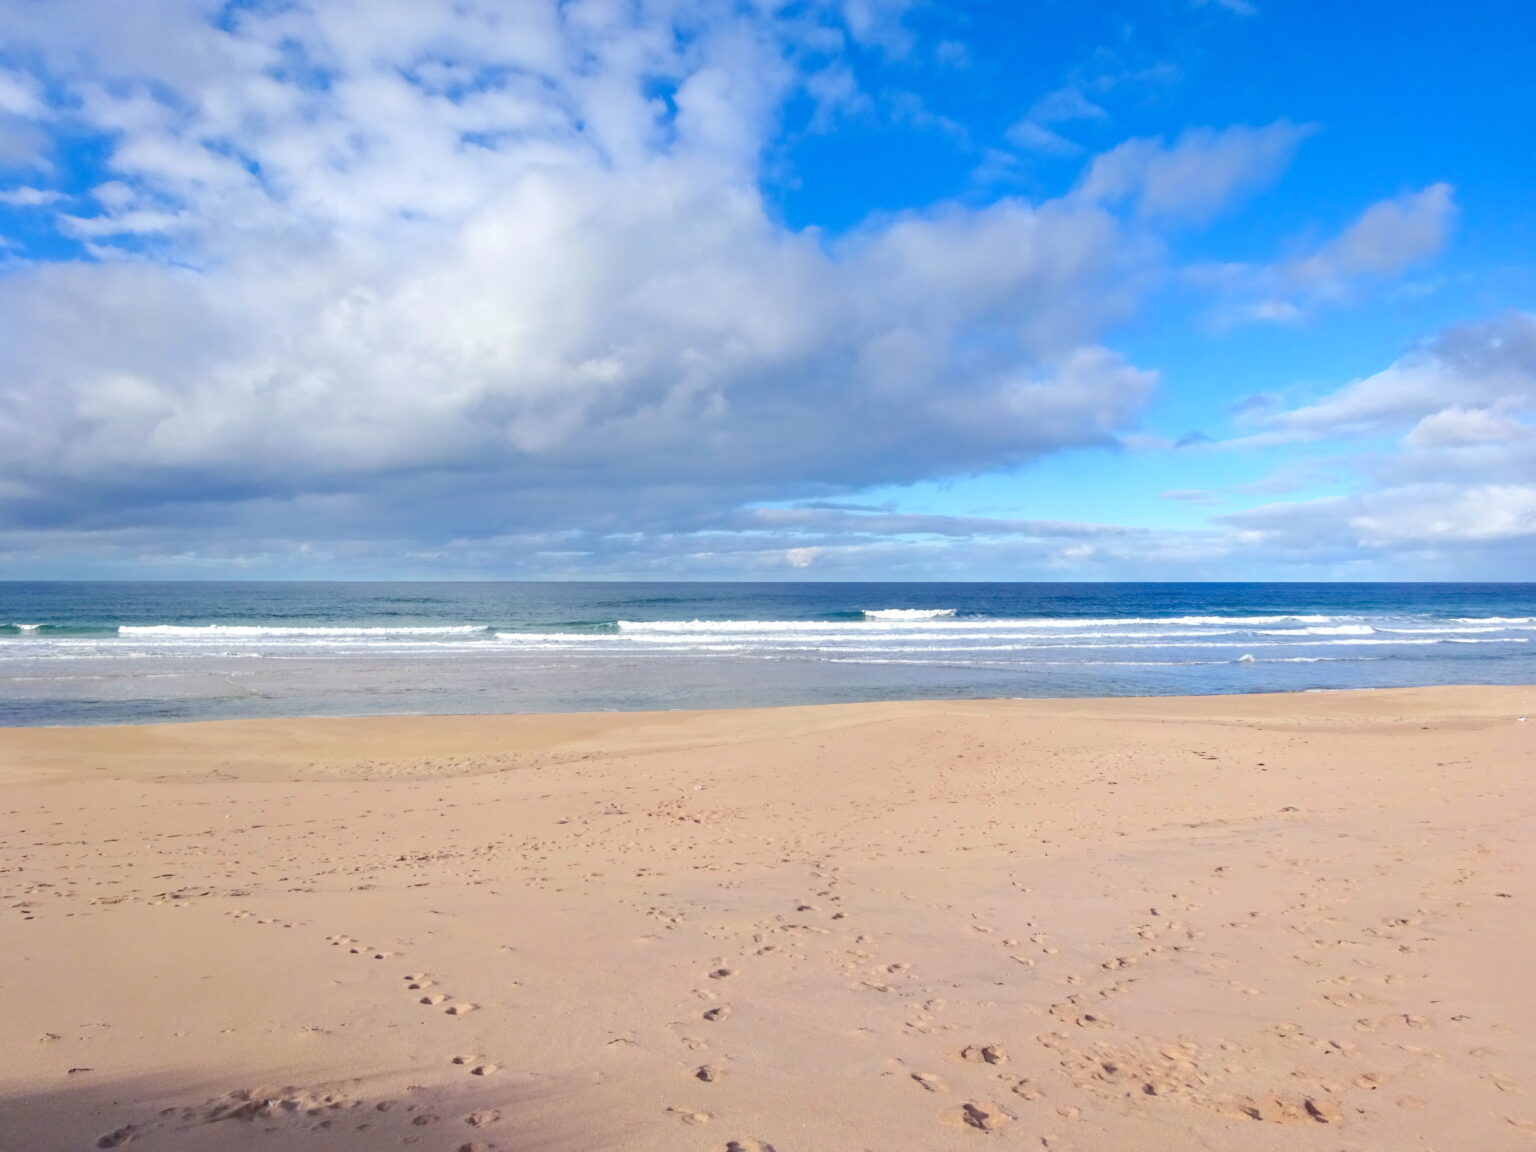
432 999
483 1118
719 1013
748 1145
688 1116
930 1082
463 1008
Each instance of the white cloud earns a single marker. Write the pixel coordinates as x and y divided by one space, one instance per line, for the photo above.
1457 487
1191 496
22 142
1382 242
1386 238
454 269
1081 101
496 287
21 94
1457 425
1411 517
1199 175
1240 7
1489 366
29 197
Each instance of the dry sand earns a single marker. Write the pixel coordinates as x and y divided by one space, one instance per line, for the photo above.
1285 922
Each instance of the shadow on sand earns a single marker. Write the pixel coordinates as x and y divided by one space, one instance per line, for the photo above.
88 1111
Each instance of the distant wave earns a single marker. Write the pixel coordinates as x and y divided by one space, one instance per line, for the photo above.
943 619
217 631
1242 621
1337 630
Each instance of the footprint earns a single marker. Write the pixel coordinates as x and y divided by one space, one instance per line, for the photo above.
747 1145
980 1114
1027 1090
706 1073
463 1008
931 1082
719 1013
722 973
984 1053
483 1118
485 1070
118 1136
688 1116
434 999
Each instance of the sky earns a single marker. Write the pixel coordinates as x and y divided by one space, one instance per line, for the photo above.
748 289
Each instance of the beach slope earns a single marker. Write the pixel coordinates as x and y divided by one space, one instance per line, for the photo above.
1262 922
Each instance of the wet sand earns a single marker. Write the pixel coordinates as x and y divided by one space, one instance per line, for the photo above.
1259 922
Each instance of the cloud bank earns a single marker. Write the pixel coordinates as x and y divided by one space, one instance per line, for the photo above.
482 287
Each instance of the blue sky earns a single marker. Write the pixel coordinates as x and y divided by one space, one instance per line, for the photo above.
833 289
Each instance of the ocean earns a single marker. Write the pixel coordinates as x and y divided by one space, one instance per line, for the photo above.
109 653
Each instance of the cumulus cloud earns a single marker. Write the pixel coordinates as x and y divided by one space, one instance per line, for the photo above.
1472 376
488 287
1456 484
471 267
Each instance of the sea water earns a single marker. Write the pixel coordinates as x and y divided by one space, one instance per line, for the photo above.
84 653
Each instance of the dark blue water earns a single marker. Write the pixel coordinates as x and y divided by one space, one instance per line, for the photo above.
121 652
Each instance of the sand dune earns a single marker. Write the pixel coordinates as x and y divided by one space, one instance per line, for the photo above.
1280 922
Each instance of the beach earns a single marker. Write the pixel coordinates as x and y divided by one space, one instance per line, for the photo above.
1288 921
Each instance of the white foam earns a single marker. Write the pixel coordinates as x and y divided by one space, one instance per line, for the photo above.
1495 620
29 627
907 613
945 622
225 631
1336 630
1240 621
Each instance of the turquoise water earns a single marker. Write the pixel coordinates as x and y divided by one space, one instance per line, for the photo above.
73 653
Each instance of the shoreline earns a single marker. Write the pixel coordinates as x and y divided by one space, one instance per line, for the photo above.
1271 921
280 740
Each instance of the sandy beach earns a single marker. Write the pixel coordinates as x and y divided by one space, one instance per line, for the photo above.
1260 922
